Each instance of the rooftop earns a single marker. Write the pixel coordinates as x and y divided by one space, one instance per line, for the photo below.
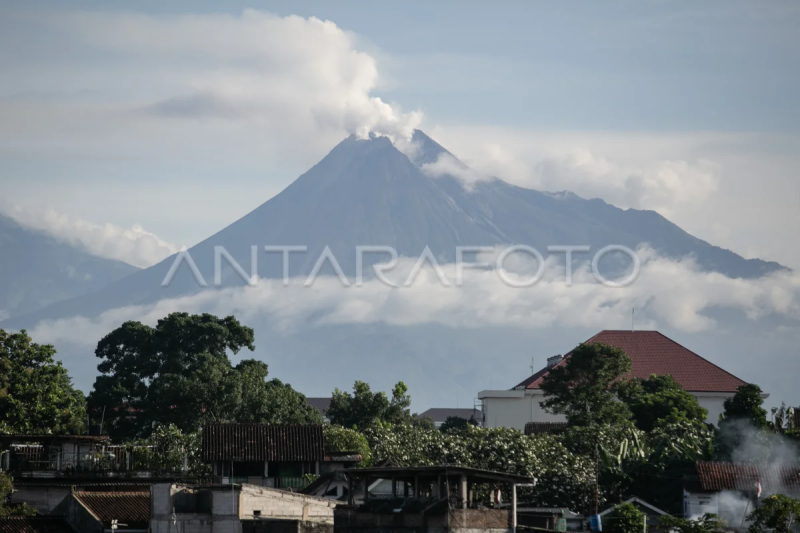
131 508
263 442
716 476
476 475
19 438
654 353
34 524
440 414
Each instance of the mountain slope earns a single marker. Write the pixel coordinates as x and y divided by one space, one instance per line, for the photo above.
366 192
37 270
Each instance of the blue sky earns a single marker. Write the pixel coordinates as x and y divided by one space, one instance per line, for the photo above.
645 88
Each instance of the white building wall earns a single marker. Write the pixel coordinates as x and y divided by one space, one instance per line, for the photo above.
515 408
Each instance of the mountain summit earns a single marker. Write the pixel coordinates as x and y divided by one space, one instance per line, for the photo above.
368 192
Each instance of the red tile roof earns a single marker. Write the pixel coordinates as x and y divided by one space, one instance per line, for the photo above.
263 442
131 508
653 353
715 476
34 524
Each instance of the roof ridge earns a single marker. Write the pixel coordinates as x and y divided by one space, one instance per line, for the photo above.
701 357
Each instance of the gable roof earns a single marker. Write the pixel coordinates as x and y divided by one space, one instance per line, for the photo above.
130 508
634 500
654 353
34 524
263 442
718 475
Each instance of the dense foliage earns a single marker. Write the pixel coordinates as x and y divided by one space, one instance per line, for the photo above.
708 523
581 389
36 393
456 422
179 373
365 408
659 400
776 513
339 439
625 518
747 405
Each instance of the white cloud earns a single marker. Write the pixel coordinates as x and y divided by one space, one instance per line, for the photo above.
133 245
447 165
675 294
287 74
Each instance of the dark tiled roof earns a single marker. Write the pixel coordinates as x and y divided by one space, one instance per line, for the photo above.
263 442
538 428
131 508
653 353
34 524
715 476
320 404
440 414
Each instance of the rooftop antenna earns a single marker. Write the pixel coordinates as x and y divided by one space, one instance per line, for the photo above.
533 367
633 318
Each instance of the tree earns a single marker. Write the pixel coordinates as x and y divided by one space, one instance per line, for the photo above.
746 404
36 392
582 389
456 423
626 518
708 523
339 439
659 400
776 513
7 509
179 373
365 408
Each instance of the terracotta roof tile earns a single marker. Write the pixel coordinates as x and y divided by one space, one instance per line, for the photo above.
34 524
131 508
263 442
716 476
654 353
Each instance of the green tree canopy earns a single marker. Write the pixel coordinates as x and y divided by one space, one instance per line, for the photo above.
36 393
6 508
581 388
708 523
365 408
659 400
626 518
776 513
339 439
746 404
456 422
178 372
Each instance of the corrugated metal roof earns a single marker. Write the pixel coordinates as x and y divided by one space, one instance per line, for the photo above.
34 524
131 508
715 476
263 442
653 353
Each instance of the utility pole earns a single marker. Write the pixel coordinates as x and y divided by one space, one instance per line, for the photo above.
596 484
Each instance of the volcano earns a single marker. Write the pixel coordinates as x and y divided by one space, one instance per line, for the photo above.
369 192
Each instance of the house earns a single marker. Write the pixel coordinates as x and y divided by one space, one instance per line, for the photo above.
651 353
100 511
269 455
550 518
651 512
731 490
431 498
438 415
321 405
238 508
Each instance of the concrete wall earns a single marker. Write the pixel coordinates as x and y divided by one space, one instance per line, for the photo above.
460 521
44 498
280 504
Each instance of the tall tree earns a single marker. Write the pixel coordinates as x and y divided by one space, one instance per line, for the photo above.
364 408
179 373
581 387
747 405
36 392
777 513
659 400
